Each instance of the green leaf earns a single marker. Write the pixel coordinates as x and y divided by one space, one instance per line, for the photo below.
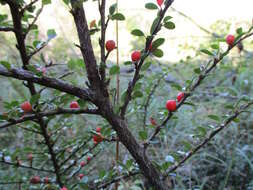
51 34
154 24
34 99
137 94
102 174
158 53
129 164
187 145
143 135
169 25
189 104
112 8
215 46
236 120
114 70
137 32
146 65
123 96
34 70
176 86
66 2
138 86
197 70
151 6
214 117
158 42
3 17
46 2
167 18
239 31
229 106
6 64
118 16
201 131
76 64
128 63
205 51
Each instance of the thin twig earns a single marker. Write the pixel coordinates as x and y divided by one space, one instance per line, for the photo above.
26 167
58 111
210 137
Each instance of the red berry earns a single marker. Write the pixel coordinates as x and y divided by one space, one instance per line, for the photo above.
46 180
171 105
98 129
180 96
81 176
64 188
152 121
74 105
98 138
82 164
30 156
159 2
88 158
110 45
26 107
35 180
230 39
136 56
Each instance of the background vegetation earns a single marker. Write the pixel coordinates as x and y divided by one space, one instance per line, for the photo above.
225 163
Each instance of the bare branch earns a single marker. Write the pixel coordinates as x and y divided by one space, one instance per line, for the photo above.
34 20
85 42
58 111
57 84
117 179
102 39
149 99
26 167
6 29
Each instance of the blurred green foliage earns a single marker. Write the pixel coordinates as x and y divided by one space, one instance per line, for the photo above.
225 163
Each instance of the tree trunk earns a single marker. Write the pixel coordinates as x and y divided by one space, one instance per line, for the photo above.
128 140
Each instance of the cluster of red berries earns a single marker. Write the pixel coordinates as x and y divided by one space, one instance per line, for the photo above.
171 105
97 138
27 107
83 163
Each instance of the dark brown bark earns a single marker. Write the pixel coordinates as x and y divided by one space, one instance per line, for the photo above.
153 175
85 43
57 84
